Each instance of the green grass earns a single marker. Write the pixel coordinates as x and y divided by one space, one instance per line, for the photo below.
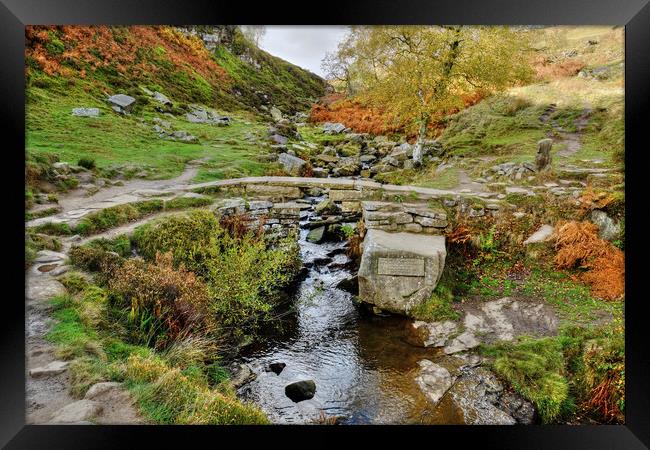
447 179
117 215
164 393
113 139
558 374
498 125
438 307
42 213
572 300
187 202
120 244
535 369
57 229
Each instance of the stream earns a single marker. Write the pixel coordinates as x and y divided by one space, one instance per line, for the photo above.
362 365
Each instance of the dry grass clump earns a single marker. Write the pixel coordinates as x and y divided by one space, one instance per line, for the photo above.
578 245
548 69
355 115
172 396
239 225
165 303
356 241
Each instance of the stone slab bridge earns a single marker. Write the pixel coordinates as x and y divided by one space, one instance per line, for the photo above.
403 252
404 245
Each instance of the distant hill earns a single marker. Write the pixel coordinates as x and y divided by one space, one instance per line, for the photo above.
212 65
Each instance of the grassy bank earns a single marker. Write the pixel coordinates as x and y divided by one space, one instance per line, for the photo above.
163 324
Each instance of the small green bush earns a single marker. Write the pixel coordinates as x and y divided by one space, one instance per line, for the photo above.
120 245
58 229
243 274
94 259
88 163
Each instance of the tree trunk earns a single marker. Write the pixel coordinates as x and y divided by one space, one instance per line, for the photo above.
418 151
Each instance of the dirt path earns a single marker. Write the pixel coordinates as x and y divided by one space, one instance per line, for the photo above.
572 139
47 397
466 184
79 200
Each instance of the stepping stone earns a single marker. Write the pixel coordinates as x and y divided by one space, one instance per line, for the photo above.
300 390
463 342
48 256
53 368
99 389
434 380
79 411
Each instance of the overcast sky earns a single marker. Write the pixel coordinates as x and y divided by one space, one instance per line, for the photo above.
303 45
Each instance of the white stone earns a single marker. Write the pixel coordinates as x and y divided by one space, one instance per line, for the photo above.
99 389
543 234
434 380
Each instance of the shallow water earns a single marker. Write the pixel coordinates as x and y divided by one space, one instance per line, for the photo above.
362 365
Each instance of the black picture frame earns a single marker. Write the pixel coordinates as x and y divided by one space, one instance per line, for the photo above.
633 14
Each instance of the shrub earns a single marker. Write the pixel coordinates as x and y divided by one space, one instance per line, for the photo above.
164 304
120 245
242 273
355 241
191 238
604 377
94 259
55 228
88 163
596 364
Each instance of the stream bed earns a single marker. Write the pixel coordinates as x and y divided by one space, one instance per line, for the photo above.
363 367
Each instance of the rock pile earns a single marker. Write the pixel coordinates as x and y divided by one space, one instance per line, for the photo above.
408 217
199 114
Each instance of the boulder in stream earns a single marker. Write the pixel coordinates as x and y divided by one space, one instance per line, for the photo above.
300 390
276 367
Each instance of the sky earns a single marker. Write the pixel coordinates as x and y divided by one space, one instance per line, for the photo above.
302 45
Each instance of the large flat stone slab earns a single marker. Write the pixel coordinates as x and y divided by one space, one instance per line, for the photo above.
400 270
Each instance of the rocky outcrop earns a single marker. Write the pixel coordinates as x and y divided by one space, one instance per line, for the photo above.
292 164
542 234
482 400
398 271
487 322
471 391
434 380
199 114
608 228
